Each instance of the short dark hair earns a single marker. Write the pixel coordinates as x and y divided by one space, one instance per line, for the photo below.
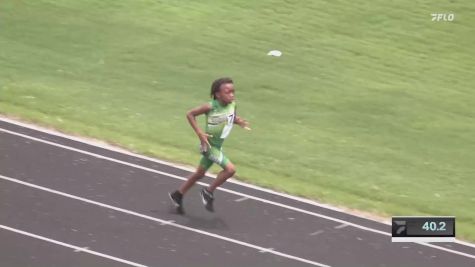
216 85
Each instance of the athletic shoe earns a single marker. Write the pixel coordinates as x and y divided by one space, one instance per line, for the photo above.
207 198
177 200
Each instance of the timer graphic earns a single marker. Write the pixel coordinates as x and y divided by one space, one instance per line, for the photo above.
423 229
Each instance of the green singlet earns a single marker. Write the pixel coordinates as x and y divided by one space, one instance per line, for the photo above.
219 122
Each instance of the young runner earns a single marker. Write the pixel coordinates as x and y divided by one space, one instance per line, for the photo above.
220 116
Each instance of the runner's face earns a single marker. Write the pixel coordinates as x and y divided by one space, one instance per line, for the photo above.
226 93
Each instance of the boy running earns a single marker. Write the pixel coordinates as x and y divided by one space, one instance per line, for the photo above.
220 117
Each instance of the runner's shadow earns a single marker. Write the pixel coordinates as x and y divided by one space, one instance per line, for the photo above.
209 221
203 220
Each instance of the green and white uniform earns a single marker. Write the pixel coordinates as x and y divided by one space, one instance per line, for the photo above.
219 122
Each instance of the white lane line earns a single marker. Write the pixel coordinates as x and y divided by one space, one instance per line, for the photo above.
241 199
465 243
81 249
201 183
76 248
234 192
446 249
106 146
267 250
341 226
317 232
166 222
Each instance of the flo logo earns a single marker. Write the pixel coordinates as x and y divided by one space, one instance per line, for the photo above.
443 16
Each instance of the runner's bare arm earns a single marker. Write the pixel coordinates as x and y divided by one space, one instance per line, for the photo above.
191 116
242 122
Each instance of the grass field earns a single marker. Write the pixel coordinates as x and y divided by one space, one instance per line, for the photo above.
371 105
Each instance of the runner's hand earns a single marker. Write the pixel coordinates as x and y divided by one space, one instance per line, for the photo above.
204 142
244 124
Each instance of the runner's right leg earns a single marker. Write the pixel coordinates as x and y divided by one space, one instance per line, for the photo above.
199 173
177 196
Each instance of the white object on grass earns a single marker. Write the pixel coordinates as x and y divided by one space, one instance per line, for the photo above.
275 53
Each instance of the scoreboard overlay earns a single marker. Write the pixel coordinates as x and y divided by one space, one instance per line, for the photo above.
423 229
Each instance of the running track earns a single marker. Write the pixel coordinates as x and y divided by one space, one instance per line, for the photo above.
65 202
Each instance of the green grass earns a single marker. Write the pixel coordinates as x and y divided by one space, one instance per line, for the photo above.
370 107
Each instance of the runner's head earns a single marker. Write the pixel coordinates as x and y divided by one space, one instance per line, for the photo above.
222 89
